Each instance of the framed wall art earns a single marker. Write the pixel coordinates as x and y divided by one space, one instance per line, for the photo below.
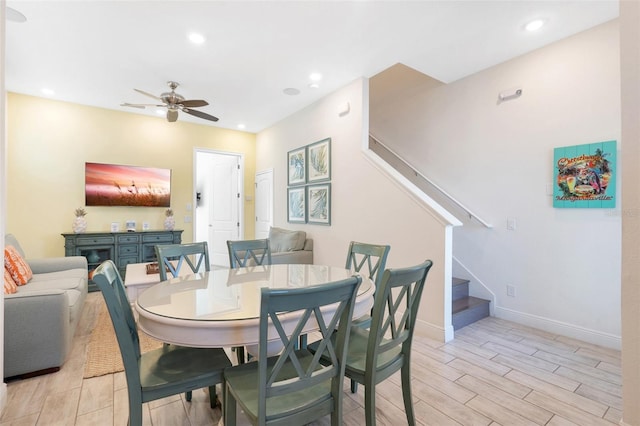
319 204
585 176
119 185
296 205
296 166
319 161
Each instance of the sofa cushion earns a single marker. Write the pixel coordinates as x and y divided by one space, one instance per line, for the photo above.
282 240
10 286
16 265
67 280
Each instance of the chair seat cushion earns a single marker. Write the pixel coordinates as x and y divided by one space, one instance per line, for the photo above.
173 367
243 382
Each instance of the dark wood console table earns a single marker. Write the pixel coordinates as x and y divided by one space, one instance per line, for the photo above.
121 247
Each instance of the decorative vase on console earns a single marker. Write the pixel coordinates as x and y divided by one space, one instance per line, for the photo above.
80 223
169 221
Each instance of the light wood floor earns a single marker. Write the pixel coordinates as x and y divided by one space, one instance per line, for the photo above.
494 373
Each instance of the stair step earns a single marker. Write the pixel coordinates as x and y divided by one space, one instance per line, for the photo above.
468 310
459 288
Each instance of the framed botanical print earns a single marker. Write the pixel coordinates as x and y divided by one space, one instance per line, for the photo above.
296 166
296 205
319 204
319 161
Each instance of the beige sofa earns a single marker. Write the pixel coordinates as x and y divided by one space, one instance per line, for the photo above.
40 319
290 246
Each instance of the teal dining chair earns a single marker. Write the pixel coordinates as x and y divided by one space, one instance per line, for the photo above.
249 252
374 354
159 373
294 387
373 256
171 257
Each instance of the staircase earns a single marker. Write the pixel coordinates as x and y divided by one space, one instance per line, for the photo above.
466 309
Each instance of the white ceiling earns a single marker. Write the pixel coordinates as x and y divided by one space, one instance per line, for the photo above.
96 52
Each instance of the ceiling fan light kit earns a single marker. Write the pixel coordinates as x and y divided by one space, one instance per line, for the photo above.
174 103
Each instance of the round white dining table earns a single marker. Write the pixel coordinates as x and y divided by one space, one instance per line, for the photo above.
221 308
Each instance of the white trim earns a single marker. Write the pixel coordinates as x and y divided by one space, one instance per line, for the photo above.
433 331
558 327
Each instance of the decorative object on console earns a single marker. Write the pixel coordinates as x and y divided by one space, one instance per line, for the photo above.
169 221
131 226
80 222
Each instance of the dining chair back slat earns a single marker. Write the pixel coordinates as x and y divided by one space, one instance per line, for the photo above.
171 257
373 256
248 253
295 386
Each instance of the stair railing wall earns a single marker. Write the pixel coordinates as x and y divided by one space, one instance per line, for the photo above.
411 173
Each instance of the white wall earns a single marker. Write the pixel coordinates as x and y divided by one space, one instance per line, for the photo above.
3 200
367 206
497 158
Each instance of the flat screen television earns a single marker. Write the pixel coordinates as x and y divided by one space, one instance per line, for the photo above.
118 185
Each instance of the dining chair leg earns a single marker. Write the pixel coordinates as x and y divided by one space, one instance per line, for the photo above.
135 411
405 373
354 386
240 354
214 401
370 404
229 412
187 396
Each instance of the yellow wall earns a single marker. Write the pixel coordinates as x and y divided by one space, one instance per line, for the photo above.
49 143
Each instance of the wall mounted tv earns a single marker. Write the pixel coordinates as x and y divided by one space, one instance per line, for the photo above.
117 185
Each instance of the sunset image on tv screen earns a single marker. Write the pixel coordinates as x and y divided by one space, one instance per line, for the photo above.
115 185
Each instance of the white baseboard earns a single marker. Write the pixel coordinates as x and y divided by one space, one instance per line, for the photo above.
3 398
558 327
432 331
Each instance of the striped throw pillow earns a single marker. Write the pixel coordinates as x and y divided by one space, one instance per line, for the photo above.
9 284
18 268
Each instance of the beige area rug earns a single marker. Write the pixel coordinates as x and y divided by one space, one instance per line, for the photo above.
103 352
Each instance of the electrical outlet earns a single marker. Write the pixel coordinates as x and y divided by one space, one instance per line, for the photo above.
511 223
511 291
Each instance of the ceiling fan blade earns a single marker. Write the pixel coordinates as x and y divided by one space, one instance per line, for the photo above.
194 103
200 114
148 94
127 104
172 115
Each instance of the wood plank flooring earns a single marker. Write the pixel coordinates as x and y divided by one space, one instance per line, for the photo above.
494 373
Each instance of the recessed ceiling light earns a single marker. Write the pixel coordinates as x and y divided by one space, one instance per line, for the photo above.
291 91
313 85
196 38
48 92
316 76
241 126
534 25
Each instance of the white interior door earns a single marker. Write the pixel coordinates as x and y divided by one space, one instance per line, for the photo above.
219 210
264 203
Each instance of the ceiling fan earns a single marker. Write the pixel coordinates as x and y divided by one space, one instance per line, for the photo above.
174 102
